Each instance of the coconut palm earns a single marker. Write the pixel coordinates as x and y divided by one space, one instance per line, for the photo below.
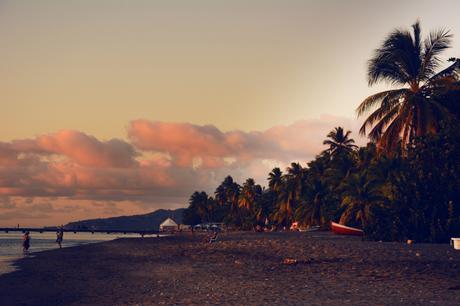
290 193
211 206
310 211
199 201
227 192
360 193
275 180
250 192
415 108
364 156
264 207
339 142
275 185
227 195
295 176
221 193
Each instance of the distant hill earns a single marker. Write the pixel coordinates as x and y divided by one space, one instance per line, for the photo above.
150 221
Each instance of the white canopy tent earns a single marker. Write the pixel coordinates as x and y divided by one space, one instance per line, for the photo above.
168 225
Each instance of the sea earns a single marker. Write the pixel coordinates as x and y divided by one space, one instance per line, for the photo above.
11 244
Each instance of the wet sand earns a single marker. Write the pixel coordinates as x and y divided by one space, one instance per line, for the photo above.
239 269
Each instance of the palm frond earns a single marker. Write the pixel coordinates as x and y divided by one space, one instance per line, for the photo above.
392 135
434 44
389 106
452 71
396 61
417 33
377 131
388 142
383 68
374 100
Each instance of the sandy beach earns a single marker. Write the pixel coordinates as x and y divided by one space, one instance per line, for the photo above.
239 269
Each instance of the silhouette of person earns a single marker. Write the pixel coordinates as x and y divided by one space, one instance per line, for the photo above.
60 236
26 242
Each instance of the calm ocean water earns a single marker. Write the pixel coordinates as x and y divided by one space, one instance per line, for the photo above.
11 244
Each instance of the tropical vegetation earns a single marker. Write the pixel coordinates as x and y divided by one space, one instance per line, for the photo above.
404 184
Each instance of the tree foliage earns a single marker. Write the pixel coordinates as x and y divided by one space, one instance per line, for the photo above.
416 108
404 184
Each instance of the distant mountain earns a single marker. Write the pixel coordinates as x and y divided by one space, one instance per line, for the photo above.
147 222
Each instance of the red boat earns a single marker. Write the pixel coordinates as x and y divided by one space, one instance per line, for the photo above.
345 230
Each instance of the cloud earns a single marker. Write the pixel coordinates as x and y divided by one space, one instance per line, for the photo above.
159 165
187 143
83 149
41 211
71 163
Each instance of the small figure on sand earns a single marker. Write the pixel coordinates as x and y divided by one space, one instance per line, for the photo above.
26 242
213 237
60 236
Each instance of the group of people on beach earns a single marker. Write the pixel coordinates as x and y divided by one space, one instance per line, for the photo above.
26 239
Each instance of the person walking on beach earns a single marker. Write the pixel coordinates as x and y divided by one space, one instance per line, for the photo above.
25 242
60 236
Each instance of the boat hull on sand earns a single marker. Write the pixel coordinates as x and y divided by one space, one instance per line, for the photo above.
310 229
345 230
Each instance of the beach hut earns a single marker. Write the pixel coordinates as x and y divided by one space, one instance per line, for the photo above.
168 225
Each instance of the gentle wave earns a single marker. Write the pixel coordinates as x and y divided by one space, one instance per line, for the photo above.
11 244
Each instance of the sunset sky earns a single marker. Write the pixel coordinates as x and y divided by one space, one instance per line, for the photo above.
122 107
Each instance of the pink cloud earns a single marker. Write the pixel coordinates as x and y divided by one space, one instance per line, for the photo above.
185 142
182 140
161 163
71 163
83 149
71 179
8 156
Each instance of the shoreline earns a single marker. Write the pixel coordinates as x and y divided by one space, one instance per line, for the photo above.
8 264
240 268
12 263
40 242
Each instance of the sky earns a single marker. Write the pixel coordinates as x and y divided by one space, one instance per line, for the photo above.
121 107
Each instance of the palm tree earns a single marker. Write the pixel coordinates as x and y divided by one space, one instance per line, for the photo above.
275 184
221 192
275 180
248 205
416 108
199 201
295 176
290 193
310 211
249 194
233 194
364 156
191 215
339 142
220 195
211 208
264 206
360 193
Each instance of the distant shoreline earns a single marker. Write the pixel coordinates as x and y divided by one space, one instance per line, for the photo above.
240 268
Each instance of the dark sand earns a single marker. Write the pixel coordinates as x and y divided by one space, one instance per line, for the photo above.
241 268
